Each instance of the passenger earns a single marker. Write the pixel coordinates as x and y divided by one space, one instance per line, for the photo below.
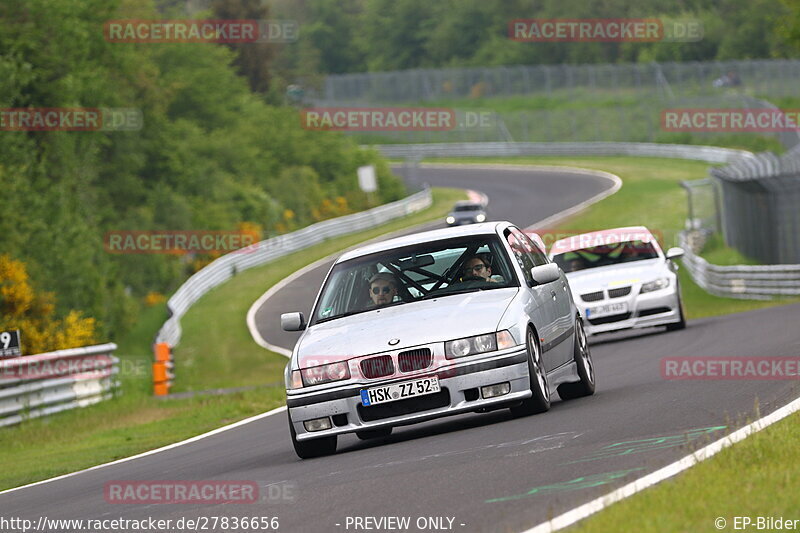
382 288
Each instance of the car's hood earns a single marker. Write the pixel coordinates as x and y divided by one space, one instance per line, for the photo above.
609 277
416 323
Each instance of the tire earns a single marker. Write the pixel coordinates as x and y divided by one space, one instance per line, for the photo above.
583 360
309 449
540 401
681 324
369 434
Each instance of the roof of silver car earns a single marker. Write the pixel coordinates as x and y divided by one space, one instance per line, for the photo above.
485 228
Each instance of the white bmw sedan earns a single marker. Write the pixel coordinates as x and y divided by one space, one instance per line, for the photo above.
433 324
621 279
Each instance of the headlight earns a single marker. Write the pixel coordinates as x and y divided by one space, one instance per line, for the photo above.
325 373
450 220
470 346
655 285
480 218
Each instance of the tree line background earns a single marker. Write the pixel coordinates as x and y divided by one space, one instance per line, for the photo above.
221 148
380 35
212 155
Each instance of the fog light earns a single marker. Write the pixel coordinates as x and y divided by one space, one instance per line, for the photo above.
317 424
490 391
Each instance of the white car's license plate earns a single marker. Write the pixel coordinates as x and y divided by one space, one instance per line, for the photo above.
606 310
399 391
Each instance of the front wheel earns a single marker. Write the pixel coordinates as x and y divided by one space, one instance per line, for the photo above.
308 449
583 360
540 401
681 324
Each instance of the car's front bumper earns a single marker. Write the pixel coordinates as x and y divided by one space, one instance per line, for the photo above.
657 308
458 383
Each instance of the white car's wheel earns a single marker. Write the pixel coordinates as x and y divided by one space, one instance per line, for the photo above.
309 449
681 324
540 401
583 360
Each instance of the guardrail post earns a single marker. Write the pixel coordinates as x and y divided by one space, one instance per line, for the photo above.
162 369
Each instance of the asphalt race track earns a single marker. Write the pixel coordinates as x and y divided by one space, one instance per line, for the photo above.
485 472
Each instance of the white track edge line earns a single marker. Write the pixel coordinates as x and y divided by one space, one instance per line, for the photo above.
152 452
583 511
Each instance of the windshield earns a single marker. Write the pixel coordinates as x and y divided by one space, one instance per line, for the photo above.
467 208
607 254
414 273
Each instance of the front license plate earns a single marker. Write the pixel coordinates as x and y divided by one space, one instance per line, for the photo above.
399 391
606 310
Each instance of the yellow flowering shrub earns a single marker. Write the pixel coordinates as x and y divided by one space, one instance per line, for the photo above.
22 308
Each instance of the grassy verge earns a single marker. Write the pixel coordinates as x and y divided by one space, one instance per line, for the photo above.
650 196
219 356
756 477
574 115
717 253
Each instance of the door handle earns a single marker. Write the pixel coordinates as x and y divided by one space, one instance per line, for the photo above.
553 293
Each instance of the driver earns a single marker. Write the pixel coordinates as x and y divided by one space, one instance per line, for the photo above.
477 266
382 288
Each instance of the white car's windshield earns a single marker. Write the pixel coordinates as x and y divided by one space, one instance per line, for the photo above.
414 273
607 254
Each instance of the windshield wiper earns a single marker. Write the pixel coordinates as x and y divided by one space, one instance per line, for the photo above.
451 293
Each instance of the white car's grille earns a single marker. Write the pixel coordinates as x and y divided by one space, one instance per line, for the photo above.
592 296
619 293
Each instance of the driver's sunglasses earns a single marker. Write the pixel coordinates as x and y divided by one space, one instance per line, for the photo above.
476 268
386 289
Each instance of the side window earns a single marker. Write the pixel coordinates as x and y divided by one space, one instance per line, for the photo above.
521 255
537 256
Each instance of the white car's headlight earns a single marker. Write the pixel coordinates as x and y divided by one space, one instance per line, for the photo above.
450 220
655 285
480 218
473 345
325 373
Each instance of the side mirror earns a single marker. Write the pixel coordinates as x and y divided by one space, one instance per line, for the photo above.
675 253
293 322
545 273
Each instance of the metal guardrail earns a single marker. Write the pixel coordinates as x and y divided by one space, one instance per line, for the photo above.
760 282
222 269
38 385
711 154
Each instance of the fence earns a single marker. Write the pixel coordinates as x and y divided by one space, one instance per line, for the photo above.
268 250
760 206
767 77
38 385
